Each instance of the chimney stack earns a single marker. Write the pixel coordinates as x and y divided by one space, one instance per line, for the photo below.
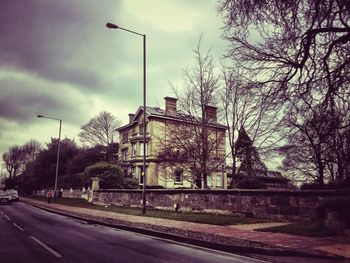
210 112
170 106
131 116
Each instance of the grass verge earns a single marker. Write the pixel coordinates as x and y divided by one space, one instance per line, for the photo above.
312 229
212 219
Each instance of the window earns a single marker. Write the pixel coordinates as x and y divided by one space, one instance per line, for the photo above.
141 174
124 154
141 149
141 128
218 180
125 138
178 176
209 182
133 149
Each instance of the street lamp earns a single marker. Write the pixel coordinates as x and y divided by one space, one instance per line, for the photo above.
58 148
113 26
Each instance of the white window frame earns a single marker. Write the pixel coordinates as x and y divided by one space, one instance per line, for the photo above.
209 181
140 174
133 149
124 154
141 149
219 183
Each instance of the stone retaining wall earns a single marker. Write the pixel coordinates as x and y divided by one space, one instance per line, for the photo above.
74 193
274 204
71 193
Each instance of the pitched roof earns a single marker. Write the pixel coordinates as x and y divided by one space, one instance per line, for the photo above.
157 112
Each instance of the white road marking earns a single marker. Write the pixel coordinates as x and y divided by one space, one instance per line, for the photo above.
224 254
9 219
46 247
20 228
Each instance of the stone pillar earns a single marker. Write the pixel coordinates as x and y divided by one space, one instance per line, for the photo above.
95 183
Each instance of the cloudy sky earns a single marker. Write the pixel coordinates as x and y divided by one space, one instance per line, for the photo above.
58 59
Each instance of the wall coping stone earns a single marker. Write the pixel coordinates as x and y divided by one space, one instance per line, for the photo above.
345 192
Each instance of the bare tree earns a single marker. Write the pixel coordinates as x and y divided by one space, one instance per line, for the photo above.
101 130
318 143
18 157
30 150
13 160
312 132
196 140
295 45
299 54
182 145
245 107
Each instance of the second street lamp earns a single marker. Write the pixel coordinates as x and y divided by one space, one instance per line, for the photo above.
113 26
58 149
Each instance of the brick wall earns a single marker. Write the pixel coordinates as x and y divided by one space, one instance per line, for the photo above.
274 204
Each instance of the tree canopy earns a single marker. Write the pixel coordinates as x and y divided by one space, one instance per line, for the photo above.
101 130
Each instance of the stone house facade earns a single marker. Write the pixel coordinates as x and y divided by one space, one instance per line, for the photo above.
166 165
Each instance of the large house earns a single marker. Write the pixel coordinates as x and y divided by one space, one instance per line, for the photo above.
171 148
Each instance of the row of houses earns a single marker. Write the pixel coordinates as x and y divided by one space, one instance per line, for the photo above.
170 148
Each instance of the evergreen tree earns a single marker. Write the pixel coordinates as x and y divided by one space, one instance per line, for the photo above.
251 164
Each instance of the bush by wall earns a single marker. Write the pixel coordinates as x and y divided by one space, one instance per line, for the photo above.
332 185
111 176
251 183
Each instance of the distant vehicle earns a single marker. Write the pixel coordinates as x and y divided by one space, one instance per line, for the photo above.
14 194
5 197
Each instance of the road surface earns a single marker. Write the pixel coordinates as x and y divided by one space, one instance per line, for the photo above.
29 234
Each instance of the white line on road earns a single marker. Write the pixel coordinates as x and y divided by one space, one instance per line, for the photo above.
204 249
20 228
9 219
46 247
219 253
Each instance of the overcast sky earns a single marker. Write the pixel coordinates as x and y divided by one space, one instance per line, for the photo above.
58 59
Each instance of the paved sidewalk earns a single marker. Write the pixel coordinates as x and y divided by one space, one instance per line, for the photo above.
339 246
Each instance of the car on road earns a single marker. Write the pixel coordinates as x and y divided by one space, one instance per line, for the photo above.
14 194
5 197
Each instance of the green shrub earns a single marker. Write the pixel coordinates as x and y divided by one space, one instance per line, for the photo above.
330 186
250 183
111 176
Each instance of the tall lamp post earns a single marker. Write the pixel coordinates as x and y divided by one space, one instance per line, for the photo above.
113 26
58 148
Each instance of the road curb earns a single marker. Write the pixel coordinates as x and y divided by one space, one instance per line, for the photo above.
229 248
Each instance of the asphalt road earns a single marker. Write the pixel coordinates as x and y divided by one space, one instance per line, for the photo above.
29 234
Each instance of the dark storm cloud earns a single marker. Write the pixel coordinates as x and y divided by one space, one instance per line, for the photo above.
46 38
23 104
58 59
